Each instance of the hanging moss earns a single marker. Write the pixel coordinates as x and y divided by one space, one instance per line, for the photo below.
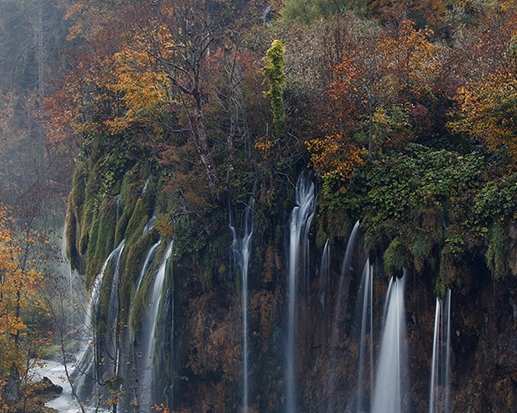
497 252
131 267
426 239
101 238
104 300
140 216
395 257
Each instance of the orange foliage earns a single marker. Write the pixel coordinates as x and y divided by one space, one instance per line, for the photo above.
488 112
384 80
336 157
18 288
487 100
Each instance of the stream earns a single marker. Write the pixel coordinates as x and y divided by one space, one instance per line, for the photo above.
55 371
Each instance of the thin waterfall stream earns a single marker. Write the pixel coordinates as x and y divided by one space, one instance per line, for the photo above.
149 340
439 389
241 251
341 303
365 377
301 217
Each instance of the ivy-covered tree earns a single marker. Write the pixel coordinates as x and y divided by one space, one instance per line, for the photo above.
274 73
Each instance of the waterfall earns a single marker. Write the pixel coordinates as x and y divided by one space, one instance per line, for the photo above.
144 189
150 224
439 392
128 366
149 341
86 371
365 301
324 285
241 250
118 199
112 341
341 305
147 263
390 383
300 222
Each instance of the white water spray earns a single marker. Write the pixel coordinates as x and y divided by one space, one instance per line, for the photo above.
439 392
241 251
391 389
86 369
366 337
151 320
301 218
324 286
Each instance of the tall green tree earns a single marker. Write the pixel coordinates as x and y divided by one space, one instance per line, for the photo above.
274 73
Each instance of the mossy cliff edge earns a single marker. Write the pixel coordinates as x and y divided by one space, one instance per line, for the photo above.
444 221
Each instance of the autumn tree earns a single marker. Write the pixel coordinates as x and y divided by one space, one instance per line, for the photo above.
180 42
380 98
19 285
486 99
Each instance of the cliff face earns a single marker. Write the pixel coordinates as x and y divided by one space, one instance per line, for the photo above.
194 360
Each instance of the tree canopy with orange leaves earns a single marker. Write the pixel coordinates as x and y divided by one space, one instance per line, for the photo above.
19 303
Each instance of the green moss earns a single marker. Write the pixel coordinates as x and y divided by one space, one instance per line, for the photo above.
140 216
130 268
139 302
452 271
395 257
497 251
123 220
101 238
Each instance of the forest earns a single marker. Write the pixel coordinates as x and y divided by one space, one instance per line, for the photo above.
186 112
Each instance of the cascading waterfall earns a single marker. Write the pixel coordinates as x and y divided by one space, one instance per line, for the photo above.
149 341
439 393
366 337
300 222
241 250
390 383
86 371
128 369
112 343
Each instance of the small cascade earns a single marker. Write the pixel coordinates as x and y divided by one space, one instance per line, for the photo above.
147 264
146 184
365 301
439 393
241 251
112 341
149 340
391 390
150 224
301 217
324 285
86 371
118 199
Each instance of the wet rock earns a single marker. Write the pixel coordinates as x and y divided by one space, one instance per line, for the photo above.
47 387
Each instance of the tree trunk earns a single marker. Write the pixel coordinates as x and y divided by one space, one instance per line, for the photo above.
204 151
